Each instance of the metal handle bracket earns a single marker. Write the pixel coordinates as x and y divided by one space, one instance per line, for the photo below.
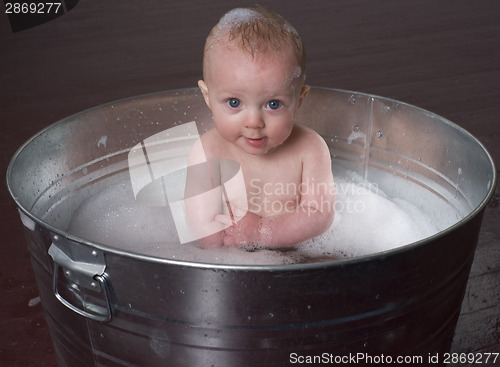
84 270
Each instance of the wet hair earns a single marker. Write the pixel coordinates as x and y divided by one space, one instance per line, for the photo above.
257 31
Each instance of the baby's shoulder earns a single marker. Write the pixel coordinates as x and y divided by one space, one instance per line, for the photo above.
306 136
203 148
212 142
209 136
315 154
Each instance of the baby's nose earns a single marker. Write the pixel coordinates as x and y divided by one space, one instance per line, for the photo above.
254 120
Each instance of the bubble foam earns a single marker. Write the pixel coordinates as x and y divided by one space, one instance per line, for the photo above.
367 220
236 17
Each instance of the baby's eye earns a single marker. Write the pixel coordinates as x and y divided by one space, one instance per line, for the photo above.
233 102
274 105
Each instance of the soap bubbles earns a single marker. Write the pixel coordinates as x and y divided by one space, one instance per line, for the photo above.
367 220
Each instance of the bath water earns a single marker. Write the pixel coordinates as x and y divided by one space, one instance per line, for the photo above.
367 220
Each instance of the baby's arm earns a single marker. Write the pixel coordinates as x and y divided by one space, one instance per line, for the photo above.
313 215
202 199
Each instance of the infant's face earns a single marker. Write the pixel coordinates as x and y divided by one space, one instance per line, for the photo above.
253 100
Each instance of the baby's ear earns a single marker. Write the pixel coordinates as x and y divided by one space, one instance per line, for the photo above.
204 91
303 94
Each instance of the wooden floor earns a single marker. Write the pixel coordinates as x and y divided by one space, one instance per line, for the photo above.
441 55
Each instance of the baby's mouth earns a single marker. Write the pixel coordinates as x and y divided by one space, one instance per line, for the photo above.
256 143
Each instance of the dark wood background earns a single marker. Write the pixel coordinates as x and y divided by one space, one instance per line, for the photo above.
442 55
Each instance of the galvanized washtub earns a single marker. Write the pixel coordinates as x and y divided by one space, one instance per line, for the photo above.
107 306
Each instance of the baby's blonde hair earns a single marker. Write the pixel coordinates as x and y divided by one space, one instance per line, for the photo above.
259 31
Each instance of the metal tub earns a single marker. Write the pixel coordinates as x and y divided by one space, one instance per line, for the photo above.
110 306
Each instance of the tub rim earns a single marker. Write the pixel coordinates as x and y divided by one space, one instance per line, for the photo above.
245 267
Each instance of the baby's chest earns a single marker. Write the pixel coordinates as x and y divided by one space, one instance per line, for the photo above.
273 190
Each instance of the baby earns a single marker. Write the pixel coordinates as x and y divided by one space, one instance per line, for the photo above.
254 73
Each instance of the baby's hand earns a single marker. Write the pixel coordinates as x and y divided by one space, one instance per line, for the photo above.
244 231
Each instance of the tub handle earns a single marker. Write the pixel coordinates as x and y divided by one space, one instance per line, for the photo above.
84 269
102 279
